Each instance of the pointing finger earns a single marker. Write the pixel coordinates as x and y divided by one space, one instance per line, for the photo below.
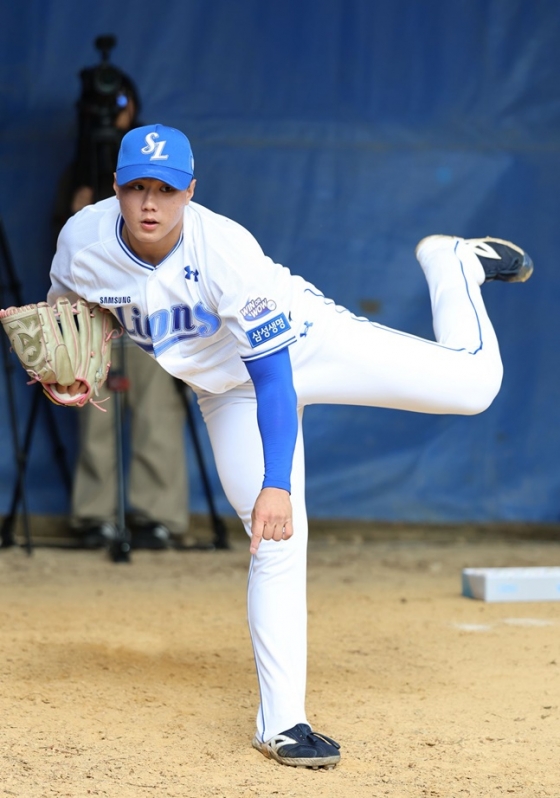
256 537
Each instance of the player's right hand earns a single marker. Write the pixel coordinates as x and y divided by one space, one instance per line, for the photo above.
271 518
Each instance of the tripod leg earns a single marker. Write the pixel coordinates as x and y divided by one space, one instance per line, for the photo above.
118 383
218 525
19 496
120 548
59 450
9 520
21 455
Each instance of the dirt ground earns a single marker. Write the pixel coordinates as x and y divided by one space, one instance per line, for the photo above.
136 680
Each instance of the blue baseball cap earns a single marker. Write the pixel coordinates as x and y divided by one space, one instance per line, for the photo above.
156 151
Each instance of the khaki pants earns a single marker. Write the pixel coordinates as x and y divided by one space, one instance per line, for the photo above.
157 473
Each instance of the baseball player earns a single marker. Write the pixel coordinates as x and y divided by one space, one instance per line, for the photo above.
257 344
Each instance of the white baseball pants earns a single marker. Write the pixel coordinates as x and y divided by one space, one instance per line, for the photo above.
345 360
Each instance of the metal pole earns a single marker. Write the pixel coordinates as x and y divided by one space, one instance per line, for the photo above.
119 384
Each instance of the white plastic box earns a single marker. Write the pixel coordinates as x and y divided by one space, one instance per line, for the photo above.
512 584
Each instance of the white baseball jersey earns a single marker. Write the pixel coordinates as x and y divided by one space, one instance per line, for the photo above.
215 301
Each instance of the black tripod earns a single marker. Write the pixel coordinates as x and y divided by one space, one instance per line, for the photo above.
220 531
10 286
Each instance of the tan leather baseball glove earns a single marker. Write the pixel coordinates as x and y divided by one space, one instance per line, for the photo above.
63 344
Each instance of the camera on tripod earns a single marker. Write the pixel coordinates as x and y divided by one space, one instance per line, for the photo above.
107 108
104 88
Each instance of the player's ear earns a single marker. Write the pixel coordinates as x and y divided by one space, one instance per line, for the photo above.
190 191
115 187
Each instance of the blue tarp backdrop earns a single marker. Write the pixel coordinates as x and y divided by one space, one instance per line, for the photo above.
339 132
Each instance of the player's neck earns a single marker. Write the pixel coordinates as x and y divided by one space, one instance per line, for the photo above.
152 251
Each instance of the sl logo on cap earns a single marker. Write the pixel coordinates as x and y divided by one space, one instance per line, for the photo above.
155 147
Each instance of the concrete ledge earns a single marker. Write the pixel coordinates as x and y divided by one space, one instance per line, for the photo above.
349 529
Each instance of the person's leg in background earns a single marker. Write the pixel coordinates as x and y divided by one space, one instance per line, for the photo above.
158 480
94 490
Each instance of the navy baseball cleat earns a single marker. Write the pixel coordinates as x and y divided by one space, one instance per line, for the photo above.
301 747
502 260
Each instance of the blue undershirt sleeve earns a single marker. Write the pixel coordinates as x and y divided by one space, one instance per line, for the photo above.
276 415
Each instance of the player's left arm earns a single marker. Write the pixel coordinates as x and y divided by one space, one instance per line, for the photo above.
278 424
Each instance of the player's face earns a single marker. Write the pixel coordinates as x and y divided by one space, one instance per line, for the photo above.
153 216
